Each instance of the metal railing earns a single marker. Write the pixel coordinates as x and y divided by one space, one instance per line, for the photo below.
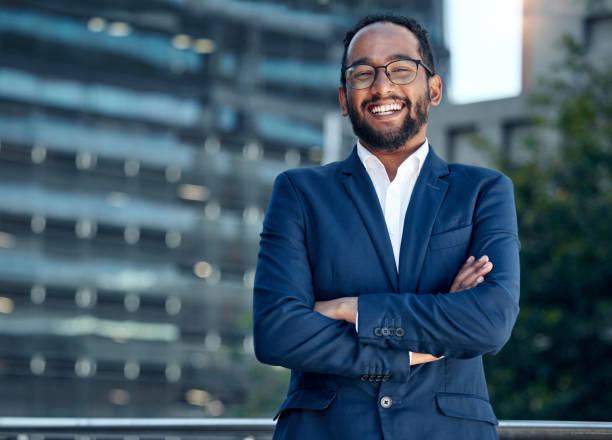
33 428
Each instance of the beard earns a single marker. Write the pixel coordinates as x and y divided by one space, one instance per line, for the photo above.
391 139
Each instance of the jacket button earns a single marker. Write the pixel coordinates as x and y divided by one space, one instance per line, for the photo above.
386 378
379 378
386 402
377 331
399 332
364 377
385 331
371 378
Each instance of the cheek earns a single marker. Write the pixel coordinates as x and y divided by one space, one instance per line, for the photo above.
415 90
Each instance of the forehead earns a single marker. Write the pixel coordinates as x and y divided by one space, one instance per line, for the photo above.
379 41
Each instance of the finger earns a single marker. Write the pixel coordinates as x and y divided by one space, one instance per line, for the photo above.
477 267
467 270
423 358
466 264
483 270
463 273
482 260
477 275
475 283
469 261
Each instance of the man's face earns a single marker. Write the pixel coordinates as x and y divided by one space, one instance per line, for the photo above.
377 45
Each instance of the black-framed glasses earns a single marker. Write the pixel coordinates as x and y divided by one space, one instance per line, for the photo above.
400 72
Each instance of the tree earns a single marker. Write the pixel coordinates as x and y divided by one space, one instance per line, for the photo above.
558 363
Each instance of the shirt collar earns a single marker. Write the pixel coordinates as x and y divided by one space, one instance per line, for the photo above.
368 159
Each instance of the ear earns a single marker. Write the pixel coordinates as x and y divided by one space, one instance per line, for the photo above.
435 90
342 101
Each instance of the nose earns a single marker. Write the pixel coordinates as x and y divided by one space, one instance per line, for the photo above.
382 85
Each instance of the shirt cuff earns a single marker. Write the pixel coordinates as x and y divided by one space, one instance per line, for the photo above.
357 324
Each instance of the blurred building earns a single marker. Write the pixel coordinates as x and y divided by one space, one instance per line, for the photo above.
138 145
454 129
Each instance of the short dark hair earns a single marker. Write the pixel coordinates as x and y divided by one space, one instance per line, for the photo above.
409 23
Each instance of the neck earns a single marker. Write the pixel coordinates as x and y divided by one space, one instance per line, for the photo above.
392 159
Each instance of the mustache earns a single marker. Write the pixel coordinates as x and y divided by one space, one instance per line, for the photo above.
367 102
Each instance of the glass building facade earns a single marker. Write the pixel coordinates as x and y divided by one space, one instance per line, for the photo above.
138 146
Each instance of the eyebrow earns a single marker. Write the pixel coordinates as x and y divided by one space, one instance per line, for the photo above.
367 60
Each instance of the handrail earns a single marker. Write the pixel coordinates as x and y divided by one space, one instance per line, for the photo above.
135 426
508 429
550 429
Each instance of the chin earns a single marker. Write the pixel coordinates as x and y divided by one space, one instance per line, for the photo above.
386 140
395 137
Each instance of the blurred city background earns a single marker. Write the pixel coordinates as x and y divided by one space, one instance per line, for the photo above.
138 145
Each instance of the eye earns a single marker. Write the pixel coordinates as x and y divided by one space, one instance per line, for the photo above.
361 72
362 75
402 67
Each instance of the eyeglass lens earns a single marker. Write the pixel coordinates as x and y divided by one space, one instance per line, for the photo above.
399 72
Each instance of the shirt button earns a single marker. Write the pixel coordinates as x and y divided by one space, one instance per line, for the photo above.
386 402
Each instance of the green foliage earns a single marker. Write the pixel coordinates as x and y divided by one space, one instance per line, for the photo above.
558 363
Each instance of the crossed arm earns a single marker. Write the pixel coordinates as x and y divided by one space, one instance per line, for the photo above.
472 320
345 309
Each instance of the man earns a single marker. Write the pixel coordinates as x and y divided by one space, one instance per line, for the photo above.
367 287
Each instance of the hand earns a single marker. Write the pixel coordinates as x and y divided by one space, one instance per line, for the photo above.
471 273
422 358
340 309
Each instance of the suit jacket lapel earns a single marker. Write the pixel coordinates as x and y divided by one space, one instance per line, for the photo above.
361 191
427 196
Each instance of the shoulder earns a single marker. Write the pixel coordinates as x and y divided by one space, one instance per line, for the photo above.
311 175
477 176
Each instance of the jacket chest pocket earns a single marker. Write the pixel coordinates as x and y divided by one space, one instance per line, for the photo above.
446 253
449 239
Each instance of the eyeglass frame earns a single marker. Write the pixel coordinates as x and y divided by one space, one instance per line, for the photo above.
417 62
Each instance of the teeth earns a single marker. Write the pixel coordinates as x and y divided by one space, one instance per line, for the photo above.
386 109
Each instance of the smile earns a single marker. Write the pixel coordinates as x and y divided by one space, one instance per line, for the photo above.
386 109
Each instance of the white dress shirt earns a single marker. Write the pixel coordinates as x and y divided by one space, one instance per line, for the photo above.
393 196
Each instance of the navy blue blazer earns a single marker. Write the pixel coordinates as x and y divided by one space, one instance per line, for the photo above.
324 237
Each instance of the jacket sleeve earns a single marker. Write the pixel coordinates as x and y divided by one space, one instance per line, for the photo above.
287 332
462 324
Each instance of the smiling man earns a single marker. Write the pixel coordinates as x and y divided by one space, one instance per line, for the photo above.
373 282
